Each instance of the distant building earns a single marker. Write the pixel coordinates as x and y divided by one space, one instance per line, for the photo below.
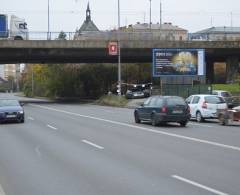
2 74
217 34
139 31
88 25
10 71
165 31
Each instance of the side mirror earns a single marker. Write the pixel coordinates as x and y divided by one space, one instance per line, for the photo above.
22 104
141 104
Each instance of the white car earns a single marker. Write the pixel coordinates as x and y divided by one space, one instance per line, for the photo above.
205 106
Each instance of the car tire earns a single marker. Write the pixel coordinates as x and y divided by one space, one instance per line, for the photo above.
199 117
183 123
153 120
136 117
21 120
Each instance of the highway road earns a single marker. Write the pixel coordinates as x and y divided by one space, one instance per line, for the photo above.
72 149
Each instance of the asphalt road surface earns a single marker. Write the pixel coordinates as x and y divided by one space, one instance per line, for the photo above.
95 150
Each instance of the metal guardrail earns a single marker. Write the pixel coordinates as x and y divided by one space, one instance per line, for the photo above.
171 35
103 35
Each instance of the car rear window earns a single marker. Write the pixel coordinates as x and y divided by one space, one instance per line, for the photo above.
158 102
173 101
214 100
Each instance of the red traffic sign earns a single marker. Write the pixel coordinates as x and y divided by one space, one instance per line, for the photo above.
113 48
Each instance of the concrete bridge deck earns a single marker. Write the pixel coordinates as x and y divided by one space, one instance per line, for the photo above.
96 51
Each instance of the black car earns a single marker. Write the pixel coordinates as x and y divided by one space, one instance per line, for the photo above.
131 94
11 110
163 109
139 91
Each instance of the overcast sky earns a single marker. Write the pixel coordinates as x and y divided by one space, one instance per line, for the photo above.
67 15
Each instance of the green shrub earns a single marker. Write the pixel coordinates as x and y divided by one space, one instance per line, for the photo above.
233 88
112 100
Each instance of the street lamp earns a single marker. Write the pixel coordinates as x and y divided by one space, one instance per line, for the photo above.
119 53
48 35
150 17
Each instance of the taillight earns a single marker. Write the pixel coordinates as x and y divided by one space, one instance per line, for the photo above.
204 105
164 109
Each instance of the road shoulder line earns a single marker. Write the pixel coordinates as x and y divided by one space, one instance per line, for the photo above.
145 129
193 183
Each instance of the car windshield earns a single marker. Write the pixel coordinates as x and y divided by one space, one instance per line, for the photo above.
9 103
214 100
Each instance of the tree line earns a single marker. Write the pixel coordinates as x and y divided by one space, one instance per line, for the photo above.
80 80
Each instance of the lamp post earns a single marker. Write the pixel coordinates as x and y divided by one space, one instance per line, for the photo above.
119 53
48 35
150 15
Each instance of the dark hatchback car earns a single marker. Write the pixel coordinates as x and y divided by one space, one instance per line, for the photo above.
11 110
162 109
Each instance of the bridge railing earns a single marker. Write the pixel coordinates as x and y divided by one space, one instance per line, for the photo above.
104 35
169 35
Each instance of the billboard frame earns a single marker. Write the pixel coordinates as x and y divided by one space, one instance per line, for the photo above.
154 74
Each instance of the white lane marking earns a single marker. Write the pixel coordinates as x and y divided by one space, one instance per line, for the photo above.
31 118
1 190
92 144
145 129
198 185
51 127
37 150
195 124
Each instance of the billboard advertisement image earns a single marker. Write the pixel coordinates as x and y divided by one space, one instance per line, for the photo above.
178 62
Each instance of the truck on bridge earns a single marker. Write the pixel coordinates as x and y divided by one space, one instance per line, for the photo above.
17 29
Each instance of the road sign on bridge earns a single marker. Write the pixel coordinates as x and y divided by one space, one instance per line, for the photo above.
113 48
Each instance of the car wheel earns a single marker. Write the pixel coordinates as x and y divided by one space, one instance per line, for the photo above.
199 117
21 120
154 120
183 123
136 117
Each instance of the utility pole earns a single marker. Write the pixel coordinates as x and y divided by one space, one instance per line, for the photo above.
119 54
32 81
231 19
160 14
48 33
150 16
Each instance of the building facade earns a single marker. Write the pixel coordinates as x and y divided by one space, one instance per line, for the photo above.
139 31
10 71
2 73
88 26
166 31
217 34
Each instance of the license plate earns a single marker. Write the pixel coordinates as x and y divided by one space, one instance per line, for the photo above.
11 116
177 112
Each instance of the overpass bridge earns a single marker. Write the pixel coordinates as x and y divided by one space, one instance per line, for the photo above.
96 51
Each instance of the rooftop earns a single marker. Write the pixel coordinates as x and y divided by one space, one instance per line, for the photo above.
221 29
164 26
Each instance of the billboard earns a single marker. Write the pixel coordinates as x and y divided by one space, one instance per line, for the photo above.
178 62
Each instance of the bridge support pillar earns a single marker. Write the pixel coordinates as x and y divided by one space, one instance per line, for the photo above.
233 64
209 71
